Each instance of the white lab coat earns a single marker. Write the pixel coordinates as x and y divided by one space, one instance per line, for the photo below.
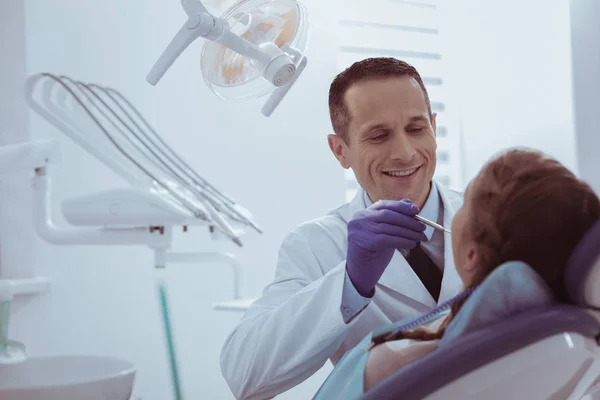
289 333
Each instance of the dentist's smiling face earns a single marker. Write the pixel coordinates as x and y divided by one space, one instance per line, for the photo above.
390 144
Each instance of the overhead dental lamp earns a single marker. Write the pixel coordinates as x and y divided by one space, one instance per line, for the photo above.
254 49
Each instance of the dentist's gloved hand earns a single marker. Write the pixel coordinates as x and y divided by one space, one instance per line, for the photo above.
373 236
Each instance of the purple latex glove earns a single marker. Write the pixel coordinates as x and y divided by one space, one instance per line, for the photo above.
373 236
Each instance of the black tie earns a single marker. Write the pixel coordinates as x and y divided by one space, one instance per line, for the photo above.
429 273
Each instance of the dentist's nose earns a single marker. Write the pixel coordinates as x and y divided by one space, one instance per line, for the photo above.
401 148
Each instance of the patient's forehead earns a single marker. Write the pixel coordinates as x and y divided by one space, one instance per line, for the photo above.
467 205
469 189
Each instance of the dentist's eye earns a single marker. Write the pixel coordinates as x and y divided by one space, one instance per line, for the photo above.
378 137
415 130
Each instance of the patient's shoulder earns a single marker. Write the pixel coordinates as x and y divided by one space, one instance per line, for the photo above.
385 359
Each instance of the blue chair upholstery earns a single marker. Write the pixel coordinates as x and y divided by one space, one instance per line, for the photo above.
510 289
583 271
512 309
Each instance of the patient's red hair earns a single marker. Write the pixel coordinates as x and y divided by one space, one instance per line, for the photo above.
525 206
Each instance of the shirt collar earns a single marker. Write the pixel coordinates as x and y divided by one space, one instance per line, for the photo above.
430 210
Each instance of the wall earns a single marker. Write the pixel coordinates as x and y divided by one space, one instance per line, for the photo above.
513 88
585 40
15 259
103 298
513 62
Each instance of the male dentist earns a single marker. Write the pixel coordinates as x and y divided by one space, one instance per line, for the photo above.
367 263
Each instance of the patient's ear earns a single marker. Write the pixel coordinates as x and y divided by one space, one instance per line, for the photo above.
471 263
338 148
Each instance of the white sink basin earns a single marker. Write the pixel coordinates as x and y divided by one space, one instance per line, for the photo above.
67 378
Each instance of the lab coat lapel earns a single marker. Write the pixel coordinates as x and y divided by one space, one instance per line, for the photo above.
400 277
451 282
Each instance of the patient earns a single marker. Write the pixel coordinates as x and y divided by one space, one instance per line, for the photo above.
521 206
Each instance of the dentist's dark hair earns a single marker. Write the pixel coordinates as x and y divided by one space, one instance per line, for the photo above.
367 69
525 206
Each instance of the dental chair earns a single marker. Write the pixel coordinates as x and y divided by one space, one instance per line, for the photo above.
537 349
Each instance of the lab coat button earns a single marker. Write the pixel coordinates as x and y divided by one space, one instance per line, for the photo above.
347 311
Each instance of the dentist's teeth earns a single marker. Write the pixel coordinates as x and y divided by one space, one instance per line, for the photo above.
401 173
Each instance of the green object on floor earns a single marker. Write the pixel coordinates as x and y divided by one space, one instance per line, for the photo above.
162 292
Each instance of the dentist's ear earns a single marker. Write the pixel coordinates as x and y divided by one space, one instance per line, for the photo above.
338 148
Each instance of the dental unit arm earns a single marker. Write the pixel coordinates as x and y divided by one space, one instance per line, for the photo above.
164 192
280 65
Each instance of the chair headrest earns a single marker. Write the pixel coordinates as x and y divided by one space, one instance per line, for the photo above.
582 274
510 289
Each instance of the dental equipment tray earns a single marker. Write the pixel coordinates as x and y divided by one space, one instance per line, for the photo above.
125 207
164 190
